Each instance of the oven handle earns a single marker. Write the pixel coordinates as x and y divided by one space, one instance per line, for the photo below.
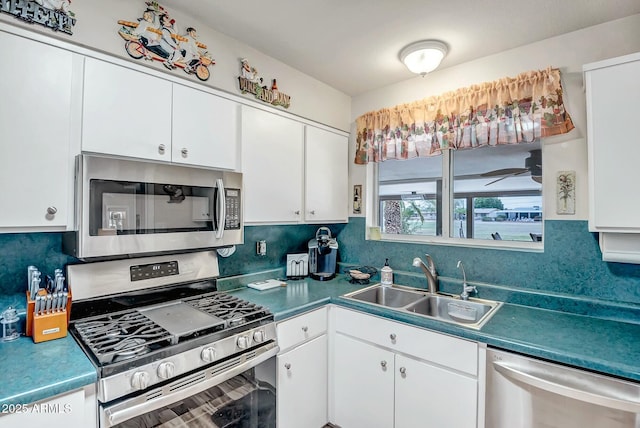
137 406
221 208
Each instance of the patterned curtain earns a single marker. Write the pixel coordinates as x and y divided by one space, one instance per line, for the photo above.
511 110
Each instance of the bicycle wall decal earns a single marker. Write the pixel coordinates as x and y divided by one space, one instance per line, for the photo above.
154 37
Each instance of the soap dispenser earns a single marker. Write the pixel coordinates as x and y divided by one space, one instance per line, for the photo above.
386 274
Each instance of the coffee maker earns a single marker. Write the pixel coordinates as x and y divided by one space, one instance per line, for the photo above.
323 254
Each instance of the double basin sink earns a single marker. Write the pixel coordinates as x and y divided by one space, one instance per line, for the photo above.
473 313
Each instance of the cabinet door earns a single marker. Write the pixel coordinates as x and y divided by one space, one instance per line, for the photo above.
430 396
35 131
272 150
612 101
125 112
205 129
302 385
362 385
326 176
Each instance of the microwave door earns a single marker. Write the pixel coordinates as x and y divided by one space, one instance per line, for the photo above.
220 208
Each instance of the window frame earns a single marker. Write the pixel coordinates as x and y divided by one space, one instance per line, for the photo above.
373 216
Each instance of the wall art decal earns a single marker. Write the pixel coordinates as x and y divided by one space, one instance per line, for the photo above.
251 82
54 14
566 192
155 36
357 199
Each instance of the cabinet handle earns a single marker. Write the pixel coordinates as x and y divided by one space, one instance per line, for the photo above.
297 212
392 336
161 149
383 363
287 366
403 370
305 328
312 212
184 152
52 210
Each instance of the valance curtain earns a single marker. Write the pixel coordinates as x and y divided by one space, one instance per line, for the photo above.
510 110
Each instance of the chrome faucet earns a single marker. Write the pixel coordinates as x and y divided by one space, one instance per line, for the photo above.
466 289
429 272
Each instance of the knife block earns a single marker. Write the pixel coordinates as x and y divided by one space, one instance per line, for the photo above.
47 326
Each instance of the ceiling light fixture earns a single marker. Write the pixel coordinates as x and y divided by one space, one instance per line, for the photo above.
423 57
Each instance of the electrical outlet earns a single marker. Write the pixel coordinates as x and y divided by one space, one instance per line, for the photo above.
261 248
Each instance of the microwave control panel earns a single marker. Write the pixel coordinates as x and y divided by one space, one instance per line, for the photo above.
153 270
232 202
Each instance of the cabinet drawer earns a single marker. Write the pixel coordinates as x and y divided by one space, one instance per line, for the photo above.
447 351
296 330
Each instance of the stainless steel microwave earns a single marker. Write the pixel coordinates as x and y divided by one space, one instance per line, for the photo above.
128 208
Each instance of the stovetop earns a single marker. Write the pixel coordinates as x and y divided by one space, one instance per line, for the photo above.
135 336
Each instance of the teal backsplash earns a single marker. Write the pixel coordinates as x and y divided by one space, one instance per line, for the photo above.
571 263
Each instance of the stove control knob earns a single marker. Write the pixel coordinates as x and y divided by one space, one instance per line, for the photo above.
243 342
208 354
140 380
258 336
166 370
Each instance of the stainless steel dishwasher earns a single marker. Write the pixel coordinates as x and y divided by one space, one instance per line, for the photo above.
528 393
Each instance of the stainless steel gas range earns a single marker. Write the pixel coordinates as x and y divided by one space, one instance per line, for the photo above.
169 348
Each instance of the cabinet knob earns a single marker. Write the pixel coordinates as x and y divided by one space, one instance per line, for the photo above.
297 212
184 152
403 370
305 328
383 363
52 210
287 366
312 212
161 149
392 336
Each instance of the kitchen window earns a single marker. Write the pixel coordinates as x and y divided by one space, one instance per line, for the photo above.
495 197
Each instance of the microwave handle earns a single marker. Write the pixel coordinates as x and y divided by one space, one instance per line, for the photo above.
221 209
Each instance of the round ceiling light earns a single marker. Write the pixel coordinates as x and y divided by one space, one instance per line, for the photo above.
423 57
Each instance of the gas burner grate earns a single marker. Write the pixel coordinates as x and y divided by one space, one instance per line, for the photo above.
232 310
122 336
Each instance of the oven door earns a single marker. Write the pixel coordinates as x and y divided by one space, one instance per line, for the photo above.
239 392
134 207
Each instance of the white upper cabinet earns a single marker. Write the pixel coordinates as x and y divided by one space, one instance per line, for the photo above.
133 114
613 91
36 130
125 112
272 159
292 172
205 129
326 176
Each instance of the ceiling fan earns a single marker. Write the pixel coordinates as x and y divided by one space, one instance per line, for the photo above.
532 164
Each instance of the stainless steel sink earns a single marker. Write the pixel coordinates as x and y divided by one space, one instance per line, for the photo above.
473 313
387 296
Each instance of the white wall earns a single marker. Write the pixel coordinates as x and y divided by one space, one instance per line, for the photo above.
97 28
568 52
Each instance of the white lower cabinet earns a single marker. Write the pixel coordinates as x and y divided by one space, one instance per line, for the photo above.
301 371
302 385
391 375
363 393
76 408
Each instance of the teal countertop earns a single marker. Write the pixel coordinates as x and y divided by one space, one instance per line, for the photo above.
606 346
36 371
32 372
